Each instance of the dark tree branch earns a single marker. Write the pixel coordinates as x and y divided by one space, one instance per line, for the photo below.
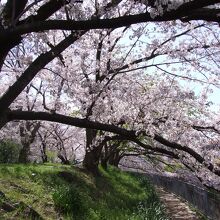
155 149
190 151
39 63
206 128
176 146
45 11
11 94
128 134
77 122
12 10
187 15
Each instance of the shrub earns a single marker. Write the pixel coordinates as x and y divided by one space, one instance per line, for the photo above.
51 156
9 151
152 211
70 201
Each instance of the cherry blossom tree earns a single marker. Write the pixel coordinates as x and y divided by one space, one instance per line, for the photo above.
91 79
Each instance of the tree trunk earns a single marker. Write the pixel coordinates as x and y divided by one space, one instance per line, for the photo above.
115 158
105 156
104 163
27 134
93 153
91 162
44 158
43 153
24 153
63 159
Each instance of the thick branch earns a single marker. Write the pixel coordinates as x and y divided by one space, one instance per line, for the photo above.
81 123
206 128
187 8
190 151
130 135
45 11
209 15
155 149
174 145
12 10
12 93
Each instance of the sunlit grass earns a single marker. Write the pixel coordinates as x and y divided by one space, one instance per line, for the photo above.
55 190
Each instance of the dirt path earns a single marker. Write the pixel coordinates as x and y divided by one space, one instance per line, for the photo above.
176 209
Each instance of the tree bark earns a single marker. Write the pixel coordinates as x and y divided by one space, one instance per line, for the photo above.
193 10
27 140
24 153
115 158
43 152
91 162
63 159
105 157
93 153
104 163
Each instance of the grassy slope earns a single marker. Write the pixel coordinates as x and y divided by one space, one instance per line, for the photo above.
56 191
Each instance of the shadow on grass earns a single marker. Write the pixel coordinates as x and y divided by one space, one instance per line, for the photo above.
78 195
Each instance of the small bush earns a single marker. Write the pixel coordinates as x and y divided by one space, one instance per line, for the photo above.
150 207
152 211
70 201
51 156
9 151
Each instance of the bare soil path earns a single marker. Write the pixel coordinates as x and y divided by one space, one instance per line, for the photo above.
176 208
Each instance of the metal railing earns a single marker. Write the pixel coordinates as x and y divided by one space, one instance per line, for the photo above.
206 202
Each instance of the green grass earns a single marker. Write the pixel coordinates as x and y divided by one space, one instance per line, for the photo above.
56 191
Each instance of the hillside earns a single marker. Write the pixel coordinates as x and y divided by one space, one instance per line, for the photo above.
53 191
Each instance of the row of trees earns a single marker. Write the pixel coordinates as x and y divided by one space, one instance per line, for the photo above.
120 71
